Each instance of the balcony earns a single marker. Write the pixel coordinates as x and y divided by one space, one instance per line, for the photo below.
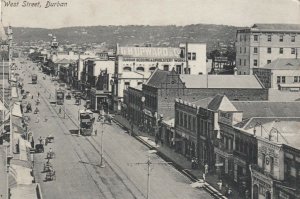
223 151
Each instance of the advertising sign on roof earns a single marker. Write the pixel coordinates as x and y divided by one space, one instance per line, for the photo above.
149 52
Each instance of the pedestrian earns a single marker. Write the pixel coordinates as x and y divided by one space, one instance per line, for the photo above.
59 110
206 168
96 132
203 176
38 94
41 139
220 185
229 193
31 96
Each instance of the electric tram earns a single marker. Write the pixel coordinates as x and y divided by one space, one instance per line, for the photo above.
60 96
87 120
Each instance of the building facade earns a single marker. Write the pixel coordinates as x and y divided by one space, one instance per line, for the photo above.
134 65
263 43
283 74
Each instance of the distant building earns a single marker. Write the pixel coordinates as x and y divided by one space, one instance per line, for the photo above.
283 74
263 43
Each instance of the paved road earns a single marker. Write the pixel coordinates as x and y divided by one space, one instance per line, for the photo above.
77 158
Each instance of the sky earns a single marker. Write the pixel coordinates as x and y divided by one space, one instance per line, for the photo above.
152 12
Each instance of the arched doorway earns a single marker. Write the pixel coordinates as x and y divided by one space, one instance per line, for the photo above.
268 195
255 191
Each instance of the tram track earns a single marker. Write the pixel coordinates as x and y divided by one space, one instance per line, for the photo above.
93 143
63 125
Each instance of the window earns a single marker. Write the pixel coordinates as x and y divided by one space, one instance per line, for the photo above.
127 68
189 122
194 123
280 38
245 50
240 62
245 38
255 37
268 61
272 165
293 51
269 50
241 50
295 78
126 85
245 61
189 56
151 69
181 119
185 120
166 67
177 117
270 38
293 38
255 62
263 161
283 79
178 69
193 56
255 49
278 79
241 38
140 69
280 50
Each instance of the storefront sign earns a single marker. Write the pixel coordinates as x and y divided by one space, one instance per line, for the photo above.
149 52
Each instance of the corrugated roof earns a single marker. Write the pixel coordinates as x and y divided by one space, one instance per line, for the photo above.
287 128
284 64
276 27
220 81
267 109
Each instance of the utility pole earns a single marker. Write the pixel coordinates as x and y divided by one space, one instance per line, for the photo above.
101 154
149 163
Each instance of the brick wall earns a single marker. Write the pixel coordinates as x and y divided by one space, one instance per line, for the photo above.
166 98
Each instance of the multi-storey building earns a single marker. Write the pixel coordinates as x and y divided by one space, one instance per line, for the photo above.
263 43
134 65
277 173
163 87
283 74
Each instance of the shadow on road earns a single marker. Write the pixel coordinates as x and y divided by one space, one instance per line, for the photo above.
74 131
93 164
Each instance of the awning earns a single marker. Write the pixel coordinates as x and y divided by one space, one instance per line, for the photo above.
16 110
23 175
24 192
169 123
14 92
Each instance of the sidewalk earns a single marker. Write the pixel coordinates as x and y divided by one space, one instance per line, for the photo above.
180 161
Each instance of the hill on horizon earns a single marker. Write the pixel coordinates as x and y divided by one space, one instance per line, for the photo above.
132 34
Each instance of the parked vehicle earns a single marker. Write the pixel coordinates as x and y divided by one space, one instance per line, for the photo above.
34 79
39 148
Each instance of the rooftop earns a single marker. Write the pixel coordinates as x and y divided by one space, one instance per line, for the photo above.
220 81
276 27
282 130
284 64
267 109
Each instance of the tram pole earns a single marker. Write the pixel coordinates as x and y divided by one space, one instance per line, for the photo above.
101 154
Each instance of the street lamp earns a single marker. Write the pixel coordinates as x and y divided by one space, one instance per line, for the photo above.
142 111
101 150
